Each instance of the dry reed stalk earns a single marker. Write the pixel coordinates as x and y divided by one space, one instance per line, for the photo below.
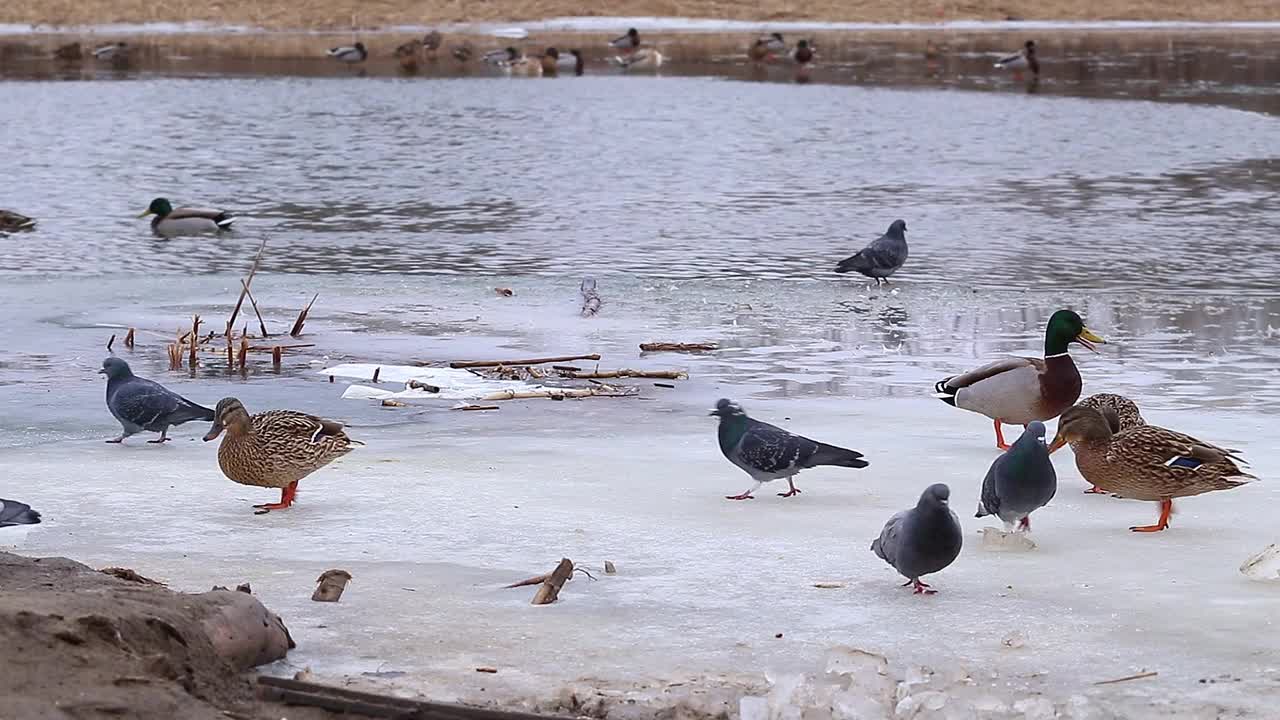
261 324
243 355
302 317
175 356
128 339
195 341
244 287
276 352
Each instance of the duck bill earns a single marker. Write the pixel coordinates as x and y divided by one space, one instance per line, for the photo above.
1056 445
144 213
1089 339
214 431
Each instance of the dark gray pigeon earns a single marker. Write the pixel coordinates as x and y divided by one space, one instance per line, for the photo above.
922 540
770 453
14 513
1020 481
882 257
140 404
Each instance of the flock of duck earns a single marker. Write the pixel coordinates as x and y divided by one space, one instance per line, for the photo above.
628 52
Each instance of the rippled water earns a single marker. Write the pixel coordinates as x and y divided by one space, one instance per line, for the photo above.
707 207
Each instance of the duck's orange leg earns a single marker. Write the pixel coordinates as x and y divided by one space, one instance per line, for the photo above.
1000 443
287 495
1166 509
1095 490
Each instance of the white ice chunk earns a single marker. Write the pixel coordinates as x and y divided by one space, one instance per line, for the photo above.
997 540
453 384
1265 565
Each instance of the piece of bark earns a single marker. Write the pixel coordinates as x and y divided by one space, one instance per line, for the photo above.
461 364
609 569
332 583
477 407
392 402
550 589
426 387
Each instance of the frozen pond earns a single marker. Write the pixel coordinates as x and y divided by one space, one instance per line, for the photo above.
707 210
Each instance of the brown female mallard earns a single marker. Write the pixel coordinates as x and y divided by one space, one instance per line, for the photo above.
1146 462
1121 414
276 448
1019 390
11 221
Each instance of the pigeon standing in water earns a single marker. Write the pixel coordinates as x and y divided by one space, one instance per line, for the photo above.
1020 481
882 257
769 453
140 404
14 513
922 540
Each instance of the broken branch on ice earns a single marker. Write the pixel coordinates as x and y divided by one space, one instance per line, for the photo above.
628 373
550 589
462 364
678 347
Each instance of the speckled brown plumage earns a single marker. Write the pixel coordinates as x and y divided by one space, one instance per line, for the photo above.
1147 462
1125 410
276 448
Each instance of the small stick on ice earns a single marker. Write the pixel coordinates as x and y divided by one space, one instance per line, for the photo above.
1127 678
550 589
192 361
332 583
535 580
463 364
678 347
110 341
628 373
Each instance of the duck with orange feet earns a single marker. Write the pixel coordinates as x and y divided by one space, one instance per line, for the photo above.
1147 462
274 449
1021 390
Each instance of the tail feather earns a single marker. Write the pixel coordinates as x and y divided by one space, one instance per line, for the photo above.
189 411
944 393
838 456
857 263
15 513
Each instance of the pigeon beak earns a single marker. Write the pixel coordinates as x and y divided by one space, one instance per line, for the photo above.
1087 338
102 371
714 413
145 213
1058 442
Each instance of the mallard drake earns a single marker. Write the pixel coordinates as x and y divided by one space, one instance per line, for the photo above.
1146 462
803 53
1021 60
349 54
274 449
1019 390
11 221
169 221
645 57
626 42
1121 414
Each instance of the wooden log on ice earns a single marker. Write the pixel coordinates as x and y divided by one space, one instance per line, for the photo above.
346 701
550 589
462 364
677 347
628 373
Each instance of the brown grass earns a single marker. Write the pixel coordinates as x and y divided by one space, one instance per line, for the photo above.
369 14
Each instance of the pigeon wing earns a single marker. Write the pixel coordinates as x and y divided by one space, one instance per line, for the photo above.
886 546
771 449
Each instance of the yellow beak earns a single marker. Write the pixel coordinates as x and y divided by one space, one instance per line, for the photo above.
145 213
1087 338
1056 445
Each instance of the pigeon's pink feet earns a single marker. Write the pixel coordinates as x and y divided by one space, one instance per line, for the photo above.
1025 524
793 491
743 496
923 588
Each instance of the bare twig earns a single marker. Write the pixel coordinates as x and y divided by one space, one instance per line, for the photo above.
1127 678
477 407
302 317
111 341
535 361
192 361
262 325
529 581
244 287
627 373
677 347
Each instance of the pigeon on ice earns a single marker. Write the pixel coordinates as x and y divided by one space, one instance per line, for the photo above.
1020 481
140 404
770 453
922 540
13 513
882 257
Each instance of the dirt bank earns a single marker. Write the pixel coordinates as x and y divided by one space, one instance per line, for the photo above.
346 14
79 643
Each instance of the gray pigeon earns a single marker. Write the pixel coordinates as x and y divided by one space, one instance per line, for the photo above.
141 404
770 453
881 258
922 540
1020 481
14 513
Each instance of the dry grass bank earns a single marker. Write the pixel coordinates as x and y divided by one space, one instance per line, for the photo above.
346 14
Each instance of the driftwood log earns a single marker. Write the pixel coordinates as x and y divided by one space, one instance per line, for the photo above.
332 583
627 373
344 701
